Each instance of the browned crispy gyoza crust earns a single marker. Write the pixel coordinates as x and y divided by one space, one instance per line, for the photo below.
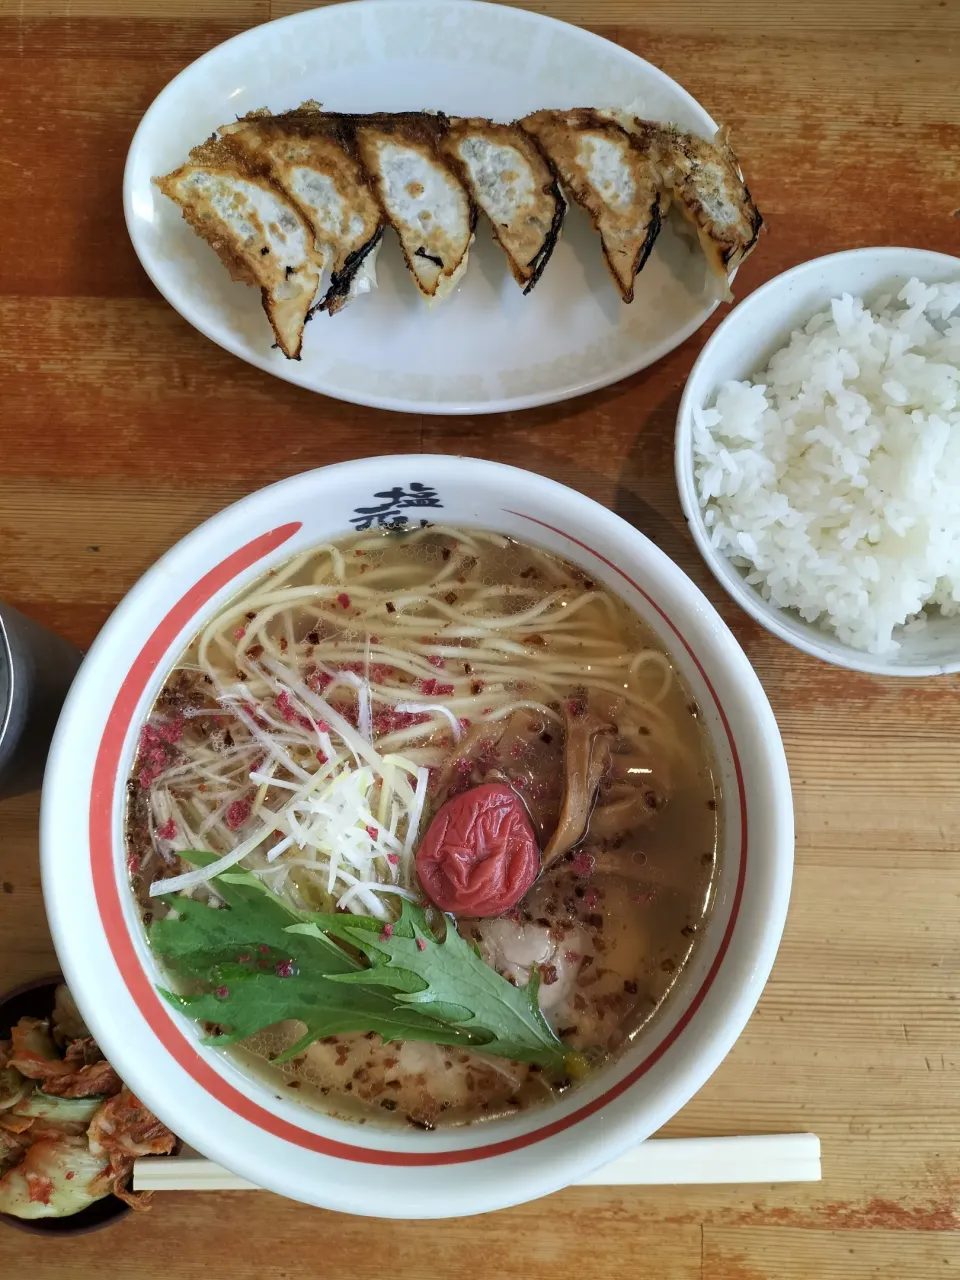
624 171
434 247
704 180
531 228
627 219
309 140
210 191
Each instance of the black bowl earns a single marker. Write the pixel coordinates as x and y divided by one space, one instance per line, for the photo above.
35 1000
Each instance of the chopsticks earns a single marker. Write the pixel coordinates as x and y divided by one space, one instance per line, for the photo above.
781 1157
775 1157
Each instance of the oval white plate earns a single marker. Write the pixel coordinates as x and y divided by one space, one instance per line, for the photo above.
488 348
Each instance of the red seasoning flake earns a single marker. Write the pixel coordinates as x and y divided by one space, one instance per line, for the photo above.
393 859
285 708
591 898
168 831
583 865
237 814
386 933
436 661
263 948
421 944
372 832
286 969
434 687
133 863
321 755
240 633
343 600
172 732
222 992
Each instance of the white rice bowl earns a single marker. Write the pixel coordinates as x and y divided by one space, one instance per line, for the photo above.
832 478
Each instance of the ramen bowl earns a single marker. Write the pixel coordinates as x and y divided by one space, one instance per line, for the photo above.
237 1119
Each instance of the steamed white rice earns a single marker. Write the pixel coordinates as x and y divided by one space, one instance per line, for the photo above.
833 477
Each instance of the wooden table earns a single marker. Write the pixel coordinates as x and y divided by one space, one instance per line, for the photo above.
121 428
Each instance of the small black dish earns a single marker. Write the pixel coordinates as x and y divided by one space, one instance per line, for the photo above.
35 1000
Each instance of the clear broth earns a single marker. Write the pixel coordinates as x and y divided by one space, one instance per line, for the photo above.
510 638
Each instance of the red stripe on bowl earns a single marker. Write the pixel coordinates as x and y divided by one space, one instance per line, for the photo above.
107 888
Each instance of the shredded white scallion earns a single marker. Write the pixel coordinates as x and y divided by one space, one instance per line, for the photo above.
416 813
353 821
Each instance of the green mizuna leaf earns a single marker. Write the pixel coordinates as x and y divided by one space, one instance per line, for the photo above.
255 918
255 961
232 953
243 1004
446 978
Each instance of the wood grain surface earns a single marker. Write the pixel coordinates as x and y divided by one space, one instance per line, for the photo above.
121 428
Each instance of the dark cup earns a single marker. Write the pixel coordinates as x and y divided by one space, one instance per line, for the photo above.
36 670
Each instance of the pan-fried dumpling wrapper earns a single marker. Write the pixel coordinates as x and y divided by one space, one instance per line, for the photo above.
704 181
309 154
515 187
421 196
608 176
260 236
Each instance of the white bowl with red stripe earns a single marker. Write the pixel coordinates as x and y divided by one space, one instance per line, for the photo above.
201 1093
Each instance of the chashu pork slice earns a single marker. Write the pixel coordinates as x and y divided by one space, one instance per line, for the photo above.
259 235
515 187
421 195
613 179
309 153
704 180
